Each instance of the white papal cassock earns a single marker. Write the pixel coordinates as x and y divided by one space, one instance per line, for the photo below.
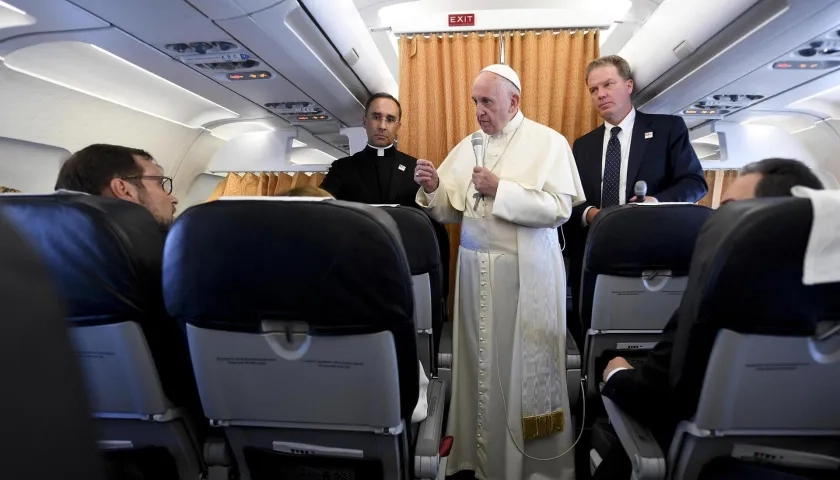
510 304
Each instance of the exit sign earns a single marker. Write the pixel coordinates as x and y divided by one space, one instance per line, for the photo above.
462 20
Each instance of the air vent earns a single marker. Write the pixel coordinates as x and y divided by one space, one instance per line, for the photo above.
721 104
201 48
298 112
295 108
820 48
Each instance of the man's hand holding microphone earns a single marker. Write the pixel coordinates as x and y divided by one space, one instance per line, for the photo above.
425 174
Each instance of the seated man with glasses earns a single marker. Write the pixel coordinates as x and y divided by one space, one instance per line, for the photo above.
121 172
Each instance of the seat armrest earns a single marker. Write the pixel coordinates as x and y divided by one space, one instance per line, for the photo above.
427 446
645 455
572 353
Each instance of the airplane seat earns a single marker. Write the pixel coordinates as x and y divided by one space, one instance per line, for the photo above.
105 256
45 436
421 248
634 273
760 369
302 336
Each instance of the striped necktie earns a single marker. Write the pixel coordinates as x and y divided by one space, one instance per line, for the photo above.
612 170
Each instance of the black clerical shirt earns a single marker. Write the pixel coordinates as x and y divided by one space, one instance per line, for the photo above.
368 177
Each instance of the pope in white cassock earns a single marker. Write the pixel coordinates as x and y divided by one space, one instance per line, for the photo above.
510 406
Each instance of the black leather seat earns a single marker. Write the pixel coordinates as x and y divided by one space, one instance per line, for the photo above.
634 272
421 247
105 257
47 426
300 323
755 369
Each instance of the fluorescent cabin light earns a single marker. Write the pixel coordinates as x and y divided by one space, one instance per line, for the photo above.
96 72
233 129
11 16
297 143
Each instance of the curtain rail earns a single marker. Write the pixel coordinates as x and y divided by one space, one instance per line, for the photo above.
494 32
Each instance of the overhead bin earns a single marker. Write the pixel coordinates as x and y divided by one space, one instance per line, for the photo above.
69 60
673 31
342 24
736 66
287 38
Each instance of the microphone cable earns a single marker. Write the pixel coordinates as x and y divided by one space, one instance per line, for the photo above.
495 342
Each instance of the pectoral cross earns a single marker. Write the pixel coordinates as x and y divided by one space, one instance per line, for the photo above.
477 196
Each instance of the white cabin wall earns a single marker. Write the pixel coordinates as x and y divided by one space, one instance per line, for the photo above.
822 141
199 190
750 143
29 167
38 111
194 163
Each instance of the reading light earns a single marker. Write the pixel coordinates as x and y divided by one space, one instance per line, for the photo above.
96 72
12 8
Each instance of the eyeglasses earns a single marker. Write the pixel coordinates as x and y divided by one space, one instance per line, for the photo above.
165 182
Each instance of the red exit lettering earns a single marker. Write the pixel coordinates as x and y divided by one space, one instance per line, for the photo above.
462 20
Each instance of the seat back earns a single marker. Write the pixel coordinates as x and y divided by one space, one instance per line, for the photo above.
421 247
634 273
759 371
105 256
300 323
47 418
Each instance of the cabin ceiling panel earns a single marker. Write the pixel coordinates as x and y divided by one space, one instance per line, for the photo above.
50 16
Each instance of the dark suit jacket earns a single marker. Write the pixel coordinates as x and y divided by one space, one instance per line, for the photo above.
665 161
354 179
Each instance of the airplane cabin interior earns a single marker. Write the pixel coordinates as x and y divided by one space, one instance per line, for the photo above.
319 338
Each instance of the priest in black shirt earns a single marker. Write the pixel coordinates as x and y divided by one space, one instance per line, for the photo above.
379 174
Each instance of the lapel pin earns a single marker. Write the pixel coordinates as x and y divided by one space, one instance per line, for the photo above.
648 134
402 168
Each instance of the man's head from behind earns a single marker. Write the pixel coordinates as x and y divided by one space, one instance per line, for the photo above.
382 119
496 98
120 172
610 84
771 177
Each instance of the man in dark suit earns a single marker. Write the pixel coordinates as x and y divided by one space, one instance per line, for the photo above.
379 174
629 147
645 393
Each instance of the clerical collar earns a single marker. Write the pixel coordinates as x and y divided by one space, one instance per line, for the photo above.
380 151
512 125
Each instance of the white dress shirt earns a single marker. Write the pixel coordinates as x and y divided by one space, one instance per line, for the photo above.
624 138
613 372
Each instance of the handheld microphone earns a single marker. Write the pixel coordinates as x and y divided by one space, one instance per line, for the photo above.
477 140
640 190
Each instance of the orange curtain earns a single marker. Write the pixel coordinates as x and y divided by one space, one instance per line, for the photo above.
436 77
262 184
718 181
551 66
